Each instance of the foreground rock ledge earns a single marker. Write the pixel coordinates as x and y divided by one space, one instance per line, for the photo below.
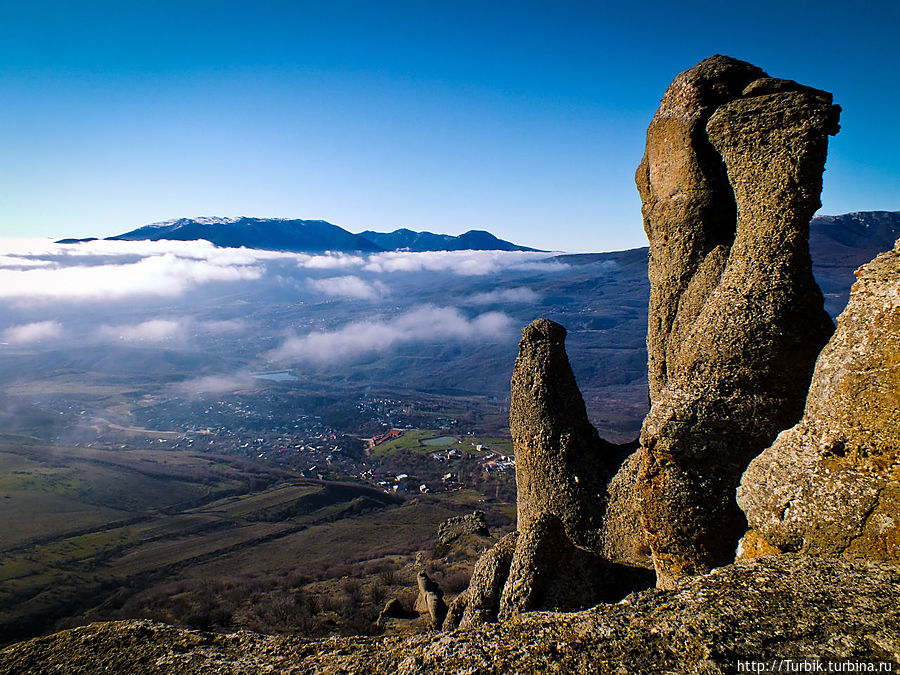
766 608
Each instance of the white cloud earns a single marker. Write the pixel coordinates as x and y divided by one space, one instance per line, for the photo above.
32 332
215 384
165 275
35 269
349 287
518 295
199 249
468 263
423 324
155 330
329 261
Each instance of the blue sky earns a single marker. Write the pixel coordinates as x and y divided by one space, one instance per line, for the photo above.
523 118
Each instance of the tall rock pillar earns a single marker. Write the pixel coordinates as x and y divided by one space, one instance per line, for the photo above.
730 178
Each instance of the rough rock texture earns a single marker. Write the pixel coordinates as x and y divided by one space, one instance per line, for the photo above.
775 607
430 599
459 526
831 484
565 476
623 537
730 179
480 602
548 572
562 464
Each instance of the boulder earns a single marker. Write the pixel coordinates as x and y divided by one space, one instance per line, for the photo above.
729 182
831 484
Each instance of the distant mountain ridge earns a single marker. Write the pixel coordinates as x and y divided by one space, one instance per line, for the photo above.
409 240
307 236
276 234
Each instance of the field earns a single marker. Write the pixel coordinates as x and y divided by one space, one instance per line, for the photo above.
416 441
203 540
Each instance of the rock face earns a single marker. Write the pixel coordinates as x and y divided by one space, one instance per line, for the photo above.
831 484
771 608
480 602
562 557
730 179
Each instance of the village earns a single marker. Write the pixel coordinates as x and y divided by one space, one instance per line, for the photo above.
401 458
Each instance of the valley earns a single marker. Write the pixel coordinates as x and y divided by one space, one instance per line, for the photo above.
204 458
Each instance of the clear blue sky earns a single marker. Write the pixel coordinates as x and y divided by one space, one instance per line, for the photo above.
523 118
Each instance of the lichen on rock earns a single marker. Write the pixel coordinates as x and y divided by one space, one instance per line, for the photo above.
774 607
729 182
831 484
561 557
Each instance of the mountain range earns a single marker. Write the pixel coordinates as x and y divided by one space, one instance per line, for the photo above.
308 236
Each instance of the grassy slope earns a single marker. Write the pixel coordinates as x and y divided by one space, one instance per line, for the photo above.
88 533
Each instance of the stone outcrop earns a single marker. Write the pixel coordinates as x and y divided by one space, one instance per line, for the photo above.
430 600
562 464
831 484
559 558
770 608
457 527
730 179
393 609
480 602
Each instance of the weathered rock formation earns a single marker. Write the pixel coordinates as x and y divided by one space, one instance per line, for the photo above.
562 464
561 557
393 609
729 181
430 600
455 528
831 484
480 602
771 608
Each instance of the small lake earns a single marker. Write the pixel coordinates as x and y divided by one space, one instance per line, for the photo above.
442 440
280 376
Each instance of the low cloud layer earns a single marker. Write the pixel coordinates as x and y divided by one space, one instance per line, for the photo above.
215 384
423 324
466 263
37 269
163 275
349 287
517 295
32 332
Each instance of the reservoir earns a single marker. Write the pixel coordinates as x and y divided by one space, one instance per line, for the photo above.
442 440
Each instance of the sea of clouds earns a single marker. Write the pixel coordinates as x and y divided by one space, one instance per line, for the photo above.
146 293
